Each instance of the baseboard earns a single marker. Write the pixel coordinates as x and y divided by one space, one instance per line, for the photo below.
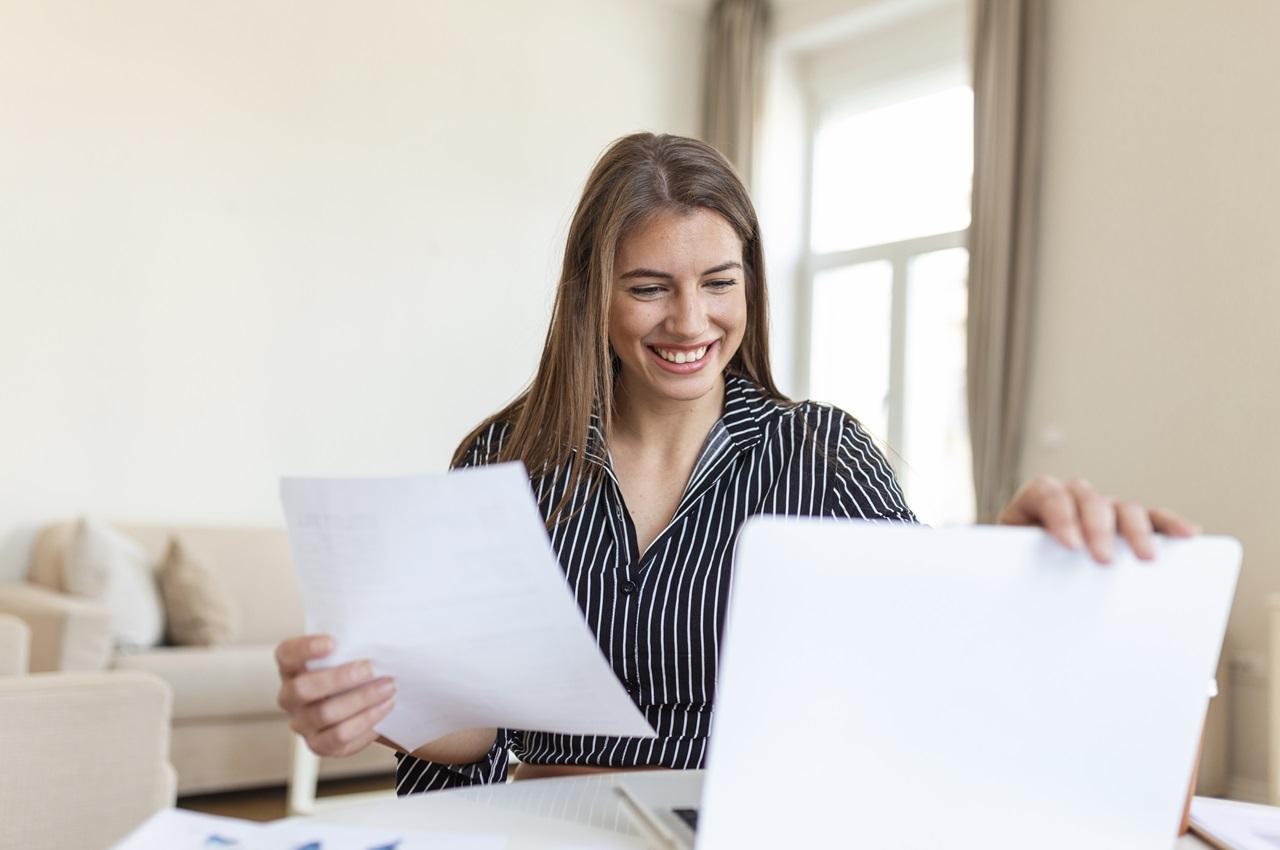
1248 790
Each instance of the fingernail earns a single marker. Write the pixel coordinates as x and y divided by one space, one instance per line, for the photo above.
1074 539
388 705
387 687
322 645
364 670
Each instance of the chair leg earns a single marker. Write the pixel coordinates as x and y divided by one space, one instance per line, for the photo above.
303 778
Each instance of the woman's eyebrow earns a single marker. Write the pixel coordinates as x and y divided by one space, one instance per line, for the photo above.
667 276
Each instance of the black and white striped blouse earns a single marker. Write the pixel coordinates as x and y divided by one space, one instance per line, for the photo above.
659 616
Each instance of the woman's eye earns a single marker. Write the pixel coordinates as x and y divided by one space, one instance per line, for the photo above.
721 284
645 291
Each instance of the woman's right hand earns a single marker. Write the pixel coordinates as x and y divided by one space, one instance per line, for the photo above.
334 709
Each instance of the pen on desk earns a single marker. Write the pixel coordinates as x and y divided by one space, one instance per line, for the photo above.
645 818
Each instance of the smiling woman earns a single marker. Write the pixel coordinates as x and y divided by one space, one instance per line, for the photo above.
663 255
651 431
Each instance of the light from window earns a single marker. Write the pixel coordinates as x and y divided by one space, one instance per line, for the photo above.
849 354
937 474
893 173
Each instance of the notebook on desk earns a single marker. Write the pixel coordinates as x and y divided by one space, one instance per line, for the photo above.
887 686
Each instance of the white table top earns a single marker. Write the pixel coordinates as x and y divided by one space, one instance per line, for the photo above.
539 814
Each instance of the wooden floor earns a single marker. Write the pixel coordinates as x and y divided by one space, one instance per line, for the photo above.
269 803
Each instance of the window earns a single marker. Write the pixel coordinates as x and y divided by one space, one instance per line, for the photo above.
886 284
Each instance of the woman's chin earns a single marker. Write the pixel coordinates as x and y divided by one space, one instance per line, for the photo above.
684 387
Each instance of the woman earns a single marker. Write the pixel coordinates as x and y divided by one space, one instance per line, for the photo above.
652 430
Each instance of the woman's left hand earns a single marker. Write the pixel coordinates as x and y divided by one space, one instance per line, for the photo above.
1077 515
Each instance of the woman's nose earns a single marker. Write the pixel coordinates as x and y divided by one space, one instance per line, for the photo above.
689 318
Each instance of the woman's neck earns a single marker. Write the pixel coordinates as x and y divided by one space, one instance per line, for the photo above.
664 426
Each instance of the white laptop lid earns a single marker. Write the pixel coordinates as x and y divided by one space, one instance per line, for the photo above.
888 686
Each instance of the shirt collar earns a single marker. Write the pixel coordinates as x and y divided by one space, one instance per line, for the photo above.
747 410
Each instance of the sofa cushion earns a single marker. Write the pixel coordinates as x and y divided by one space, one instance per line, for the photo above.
255 564
213 682
106 565
197 608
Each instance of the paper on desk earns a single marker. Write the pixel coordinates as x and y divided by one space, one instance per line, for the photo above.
177 829
449 584
1239 826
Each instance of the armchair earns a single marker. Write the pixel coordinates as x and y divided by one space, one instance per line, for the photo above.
86 755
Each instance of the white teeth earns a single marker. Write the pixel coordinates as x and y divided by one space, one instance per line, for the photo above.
682 356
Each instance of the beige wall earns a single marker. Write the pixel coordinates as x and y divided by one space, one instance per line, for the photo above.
241 239
1157 364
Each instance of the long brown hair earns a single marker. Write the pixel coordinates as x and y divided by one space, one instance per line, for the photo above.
637 176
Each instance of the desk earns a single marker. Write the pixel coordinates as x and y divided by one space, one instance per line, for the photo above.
541 814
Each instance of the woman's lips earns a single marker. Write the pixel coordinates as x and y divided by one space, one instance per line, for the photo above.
683 368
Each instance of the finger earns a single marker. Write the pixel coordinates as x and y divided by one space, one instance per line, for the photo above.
1134 524
1167 522
316 685
293 654
329 712
337 738
1024 507
1097 519
359 744
1057 512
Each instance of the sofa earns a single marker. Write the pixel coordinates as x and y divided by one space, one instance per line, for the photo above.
227 731
85 755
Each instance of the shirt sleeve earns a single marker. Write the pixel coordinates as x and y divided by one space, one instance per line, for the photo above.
415 775
863 485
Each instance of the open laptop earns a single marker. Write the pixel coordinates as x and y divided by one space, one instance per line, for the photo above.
886 686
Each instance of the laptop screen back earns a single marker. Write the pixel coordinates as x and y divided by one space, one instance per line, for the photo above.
888 686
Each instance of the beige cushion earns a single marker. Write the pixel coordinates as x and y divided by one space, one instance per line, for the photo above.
106 565
197 607
213 682
255 564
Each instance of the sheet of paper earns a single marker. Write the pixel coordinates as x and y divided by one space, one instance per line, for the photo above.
449 584
1240 826
178 829
303 833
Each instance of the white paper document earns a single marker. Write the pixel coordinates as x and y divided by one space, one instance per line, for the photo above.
1239 826
177 829
449 584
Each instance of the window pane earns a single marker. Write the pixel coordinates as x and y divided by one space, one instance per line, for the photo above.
849 358
893 173
938 478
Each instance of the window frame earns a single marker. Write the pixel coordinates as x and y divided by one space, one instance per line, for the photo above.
826 102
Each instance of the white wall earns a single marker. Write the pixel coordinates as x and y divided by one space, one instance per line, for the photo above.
241 239
1157 364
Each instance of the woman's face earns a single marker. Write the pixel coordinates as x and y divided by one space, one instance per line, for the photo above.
679 306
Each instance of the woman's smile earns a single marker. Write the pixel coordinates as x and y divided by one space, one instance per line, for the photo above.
684 359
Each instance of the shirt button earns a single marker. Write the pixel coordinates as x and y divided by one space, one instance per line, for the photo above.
629 587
